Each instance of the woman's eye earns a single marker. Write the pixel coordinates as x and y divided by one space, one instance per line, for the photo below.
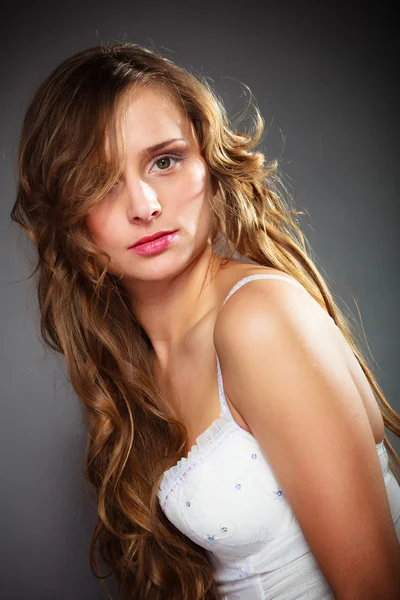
164 162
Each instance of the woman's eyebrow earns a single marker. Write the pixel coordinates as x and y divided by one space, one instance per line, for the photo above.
160 146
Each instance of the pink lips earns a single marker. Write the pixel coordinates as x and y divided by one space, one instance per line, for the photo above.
155 245
153 236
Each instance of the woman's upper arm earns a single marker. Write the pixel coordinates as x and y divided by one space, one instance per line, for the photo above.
284 372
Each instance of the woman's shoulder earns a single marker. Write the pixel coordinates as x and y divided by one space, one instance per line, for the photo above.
236 273
266 301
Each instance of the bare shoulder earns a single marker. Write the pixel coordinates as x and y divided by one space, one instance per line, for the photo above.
239 271
264 299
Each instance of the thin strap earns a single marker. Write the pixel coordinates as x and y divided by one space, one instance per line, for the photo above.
266 275
222 399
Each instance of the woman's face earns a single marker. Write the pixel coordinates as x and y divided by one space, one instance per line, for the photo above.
164 189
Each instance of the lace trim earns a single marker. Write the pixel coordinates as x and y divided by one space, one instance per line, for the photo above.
205 444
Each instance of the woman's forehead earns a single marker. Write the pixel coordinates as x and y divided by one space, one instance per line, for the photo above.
151 111
146 119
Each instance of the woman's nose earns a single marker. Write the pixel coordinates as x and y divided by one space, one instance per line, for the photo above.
142 200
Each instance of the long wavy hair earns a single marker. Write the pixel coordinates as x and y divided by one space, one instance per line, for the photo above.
86 315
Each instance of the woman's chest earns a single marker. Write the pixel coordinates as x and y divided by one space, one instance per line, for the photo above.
191 389
190 384
208 496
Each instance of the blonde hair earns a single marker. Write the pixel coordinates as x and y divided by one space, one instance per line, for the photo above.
133 435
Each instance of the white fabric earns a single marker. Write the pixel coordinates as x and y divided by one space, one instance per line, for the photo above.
225 497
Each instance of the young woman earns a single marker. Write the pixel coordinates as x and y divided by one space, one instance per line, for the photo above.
236 434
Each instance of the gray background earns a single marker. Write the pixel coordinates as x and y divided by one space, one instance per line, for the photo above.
324 79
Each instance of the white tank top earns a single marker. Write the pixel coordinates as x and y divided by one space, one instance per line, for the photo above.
225 497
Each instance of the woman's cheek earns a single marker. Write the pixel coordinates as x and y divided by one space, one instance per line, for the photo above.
193 185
